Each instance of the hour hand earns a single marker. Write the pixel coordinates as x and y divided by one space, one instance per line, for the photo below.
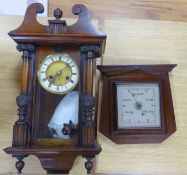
52 78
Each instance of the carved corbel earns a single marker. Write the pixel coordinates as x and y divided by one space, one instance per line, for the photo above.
27 49
90 51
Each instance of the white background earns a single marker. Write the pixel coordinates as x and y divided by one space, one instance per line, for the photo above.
18 7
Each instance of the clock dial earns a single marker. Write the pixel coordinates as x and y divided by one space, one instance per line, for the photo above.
58 73
138 105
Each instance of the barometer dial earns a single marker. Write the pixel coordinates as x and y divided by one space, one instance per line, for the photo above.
138 105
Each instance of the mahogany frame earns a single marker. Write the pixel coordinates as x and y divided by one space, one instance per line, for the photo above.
113 75
31 36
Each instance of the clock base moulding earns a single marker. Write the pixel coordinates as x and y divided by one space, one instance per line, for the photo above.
136 102
52 163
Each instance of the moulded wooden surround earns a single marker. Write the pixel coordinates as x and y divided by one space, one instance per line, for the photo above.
111 76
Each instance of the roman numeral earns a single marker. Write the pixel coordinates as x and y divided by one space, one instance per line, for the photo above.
72 66
57 88
49 86
42 72
74 73
72 81
45 79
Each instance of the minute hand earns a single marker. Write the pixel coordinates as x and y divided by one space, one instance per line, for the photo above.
58 74
133 95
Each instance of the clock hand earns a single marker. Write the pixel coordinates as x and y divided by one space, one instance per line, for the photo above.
57 74
133 95
142 113
137 103
60 71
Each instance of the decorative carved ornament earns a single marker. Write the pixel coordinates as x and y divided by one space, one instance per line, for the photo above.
22 101
56 27
88 103
91 51
27 49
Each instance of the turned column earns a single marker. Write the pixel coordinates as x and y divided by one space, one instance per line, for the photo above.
21 134
87 108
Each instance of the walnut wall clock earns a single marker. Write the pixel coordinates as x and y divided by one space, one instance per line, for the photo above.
137 103
57 104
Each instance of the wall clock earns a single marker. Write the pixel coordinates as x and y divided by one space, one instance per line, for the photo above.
137 103
57 104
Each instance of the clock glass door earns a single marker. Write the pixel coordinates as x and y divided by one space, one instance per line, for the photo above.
56 96
138 105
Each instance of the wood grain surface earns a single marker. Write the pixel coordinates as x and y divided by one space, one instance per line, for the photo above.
130 41
174 10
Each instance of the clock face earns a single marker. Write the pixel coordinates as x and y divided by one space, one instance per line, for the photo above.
138 105
58 73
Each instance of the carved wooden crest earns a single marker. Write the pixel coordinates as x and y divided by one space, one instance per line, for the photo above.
74 33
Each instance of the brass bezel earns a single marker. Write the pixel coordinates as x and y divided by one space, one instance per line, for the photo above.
54 92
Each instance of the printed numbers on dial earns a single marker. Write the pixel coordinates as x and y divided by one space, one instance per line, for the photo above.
58 73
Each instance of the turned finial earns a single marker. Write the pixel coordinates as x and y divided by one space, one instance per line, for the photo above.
58 13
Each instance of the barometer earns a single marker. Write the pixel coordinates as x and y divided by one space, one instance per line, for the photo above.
136 103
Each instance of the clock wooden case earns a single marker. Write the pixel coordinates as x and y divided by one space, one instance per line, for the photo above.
56 45
136 103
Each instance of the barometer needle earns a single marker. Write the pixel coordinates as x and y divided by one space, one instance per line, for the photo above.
133 95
